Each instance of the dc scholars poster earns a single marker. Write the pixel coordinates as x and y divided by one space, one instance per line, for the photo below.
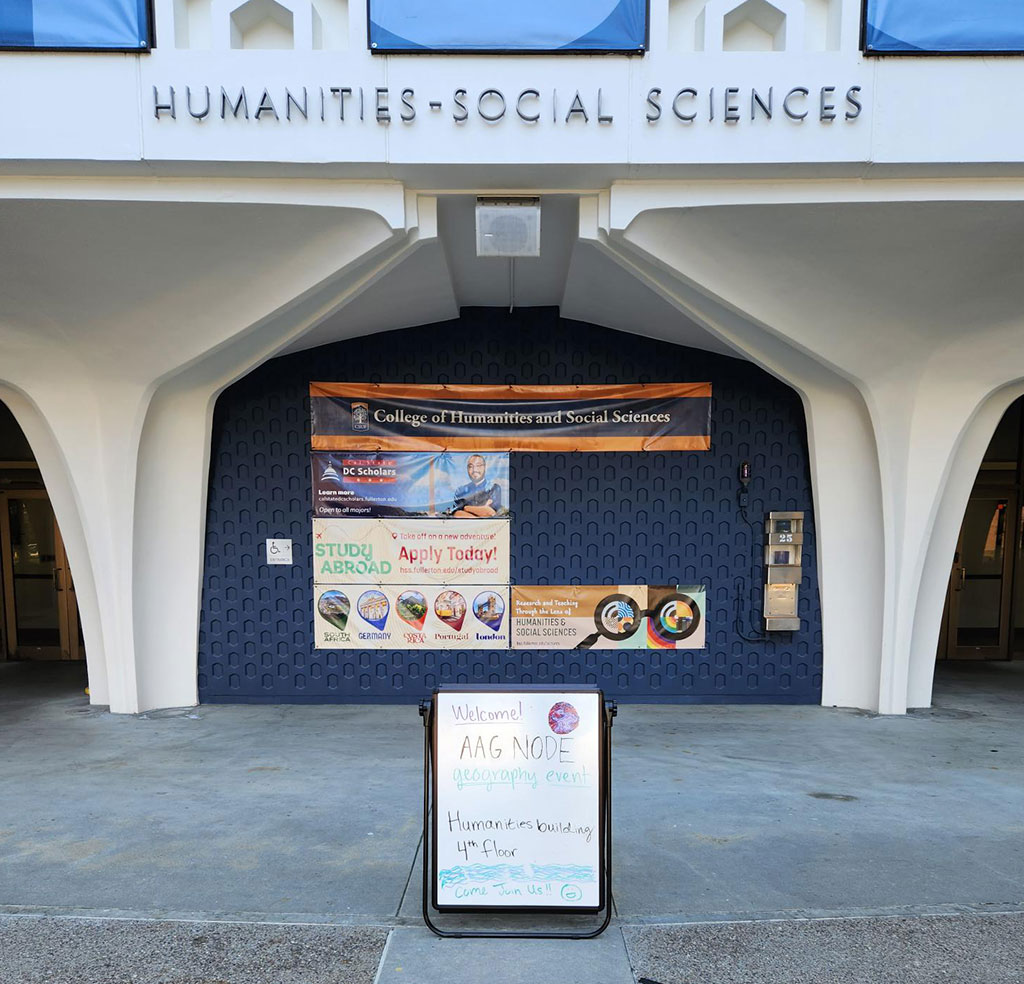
410 484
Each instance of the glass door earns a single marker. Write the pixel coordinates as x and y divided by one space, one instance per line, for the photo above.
980 593
40 609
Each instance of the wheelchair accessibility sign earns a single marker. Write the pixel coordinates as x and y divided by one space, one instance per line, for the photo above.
279 551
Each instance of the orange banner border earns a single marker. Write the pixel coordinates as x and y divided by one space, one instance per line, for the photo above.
514 391
363 442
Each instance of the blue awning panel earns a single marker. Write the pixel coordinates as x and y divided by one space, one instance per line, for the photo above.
944 25
109 24
496 26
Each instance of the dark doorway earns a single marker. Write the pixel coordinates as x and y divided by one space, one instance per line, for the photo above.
40 612
984 617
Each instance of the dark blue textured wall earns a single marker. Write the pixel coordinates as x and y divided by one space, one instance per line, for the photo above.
585 518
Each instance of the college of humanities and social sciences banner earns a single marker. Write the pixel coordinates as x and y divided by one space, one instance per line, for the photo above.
632 616
372 484
523 25
944 25
410 551
107 24
385 616
384 416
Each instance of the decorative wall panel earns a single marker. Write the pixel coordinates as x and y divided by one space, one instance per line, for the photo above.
583 518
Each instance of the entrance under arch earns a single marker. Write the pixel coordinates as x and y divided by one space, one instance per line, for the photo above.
37 594
984 613
577 518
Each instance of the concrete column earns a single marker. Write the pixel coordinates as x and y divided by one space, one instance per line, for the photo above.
117 406
56 472
85 434
174 470
845 477
810 295
844 472
979 413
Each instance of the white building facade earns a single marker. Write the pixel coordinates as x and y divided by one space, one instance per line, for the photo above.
261 183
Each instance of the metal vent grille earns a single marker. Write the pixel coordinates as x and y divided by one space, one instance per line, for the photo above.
508 227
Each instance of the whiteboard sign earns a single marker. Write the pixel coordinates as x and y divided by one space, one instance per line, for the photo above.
518 786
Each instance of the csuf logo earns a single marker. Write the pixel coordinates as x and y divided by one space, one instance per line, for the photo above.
360 416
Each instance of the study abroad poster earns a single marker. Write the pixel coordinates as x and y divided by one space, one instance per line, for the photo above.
410 551
676 617
578 616
377 484
423 616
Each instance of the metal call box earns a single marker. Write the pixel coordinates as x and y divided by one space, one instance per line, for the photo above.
783 558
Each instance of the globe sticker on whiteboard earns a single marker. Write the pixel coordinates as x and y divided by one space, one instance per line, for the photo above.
450 608
563 718
489 608
373 607
412 608
335 608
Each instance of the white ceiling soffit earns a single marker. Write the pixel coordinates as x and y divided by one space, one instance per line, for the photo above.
926 270
418 291
444 276
94 269
599 291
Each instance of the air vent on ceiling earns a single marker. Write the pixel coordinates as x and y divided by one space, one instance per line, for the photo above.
508 227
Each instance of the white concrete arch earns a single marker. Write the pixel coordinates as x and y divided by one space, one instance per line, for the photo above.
62 491
895 362
935 432
961 473
92 335
924 347
175 453
840 435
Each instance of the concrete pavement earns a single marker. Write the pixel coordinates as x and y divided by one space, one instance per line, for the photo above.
795 839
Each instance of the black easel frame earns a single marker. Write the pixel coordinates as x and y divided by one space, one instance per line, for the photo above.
427 712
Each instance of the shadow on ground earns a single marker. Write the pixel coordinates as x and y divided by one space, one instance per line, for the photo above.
309 816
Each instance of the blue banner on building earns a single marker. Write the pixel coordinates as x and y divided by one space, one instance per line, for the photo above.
526 25
115 25
944 25
454 485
